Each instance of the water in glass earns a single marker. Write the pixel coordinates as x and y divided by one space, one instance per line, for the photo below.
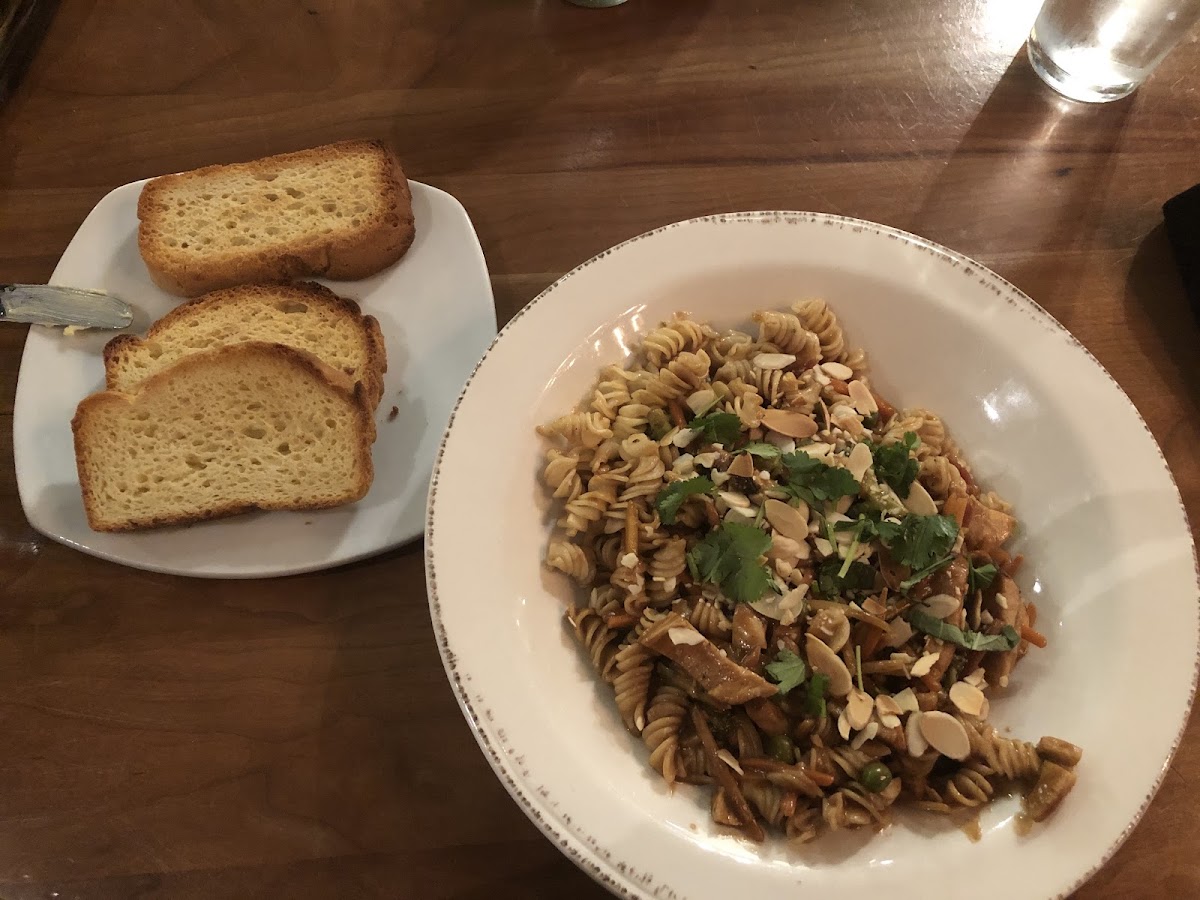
1098 50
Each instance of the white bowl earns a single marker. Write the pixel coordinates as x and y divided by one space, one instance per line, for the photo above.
1110 560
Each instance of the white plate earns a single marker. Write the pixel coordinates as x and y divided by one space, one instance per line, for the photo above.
435 310
1104 533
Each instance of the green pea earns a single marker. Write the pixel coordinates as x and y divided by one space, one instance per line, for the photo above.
780 747
658 424
875 776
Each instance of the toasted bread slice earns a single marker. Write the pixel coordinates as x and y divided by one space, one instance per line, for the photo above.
306 316
341 211
246 426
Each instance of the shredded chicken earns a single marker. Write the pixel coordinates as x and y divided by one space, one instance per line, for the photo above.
987 528
999 666
725 680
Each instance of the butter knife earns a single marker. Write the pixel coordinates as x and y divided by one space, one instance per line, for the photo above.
45 304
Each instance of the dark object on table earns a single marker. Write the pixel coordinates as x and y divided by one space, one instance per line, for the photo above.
1182 213
22 24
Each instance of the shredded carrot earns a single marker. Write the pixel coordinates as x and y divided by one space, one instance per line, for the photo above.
820 779
840 386
619 620
1034 637
677 415
1031 613
931 683
886 410
871 644
956 507
1010 567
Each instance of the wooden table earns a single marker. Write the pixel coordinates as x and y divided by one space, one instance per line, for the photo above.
164 737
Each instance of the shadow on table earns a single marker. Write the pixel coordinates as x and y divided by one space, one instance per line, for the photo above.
1159 317
1028 178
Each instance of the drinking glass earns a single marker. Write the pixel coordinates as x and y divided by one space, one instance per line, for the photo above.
1100 50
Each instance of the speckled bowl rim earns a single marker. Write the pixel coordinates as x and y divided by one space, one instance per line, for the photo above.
619 877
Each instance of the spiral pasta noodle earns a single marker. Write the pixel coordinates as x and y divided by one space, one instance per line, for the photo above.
737 510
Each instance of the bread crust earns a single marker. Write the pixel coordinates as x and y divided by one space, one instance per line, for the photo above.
352 391
373 370
347 256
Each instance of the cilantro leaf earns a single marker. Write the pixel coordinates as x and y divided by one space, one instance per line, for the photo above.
814 482
788 669
919 541
717 428
971 640
922 574
818 686
762 449
829 584
980 577
894 464
728 557
671 498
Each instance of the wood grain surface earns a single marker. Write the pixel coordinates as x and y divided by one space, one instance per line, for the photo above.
170 738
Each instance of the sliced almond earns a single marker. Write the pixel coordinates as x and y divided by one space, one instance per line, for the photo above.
940 606
782 441
783 547
867 734
684 437
820 377
887 705
863 400
945 734
847 419
772 361
793 424
740 514
687 636
859 460
701 401
816 451
742 466
837 370
977 678
859 707
825 661
629 560
967 697
832 627
734 499
720 478
917 744
823 547
889 721
708 460
874 607
923 665
898 634
918 502
726 757
844 726
788 520
781 607
907 700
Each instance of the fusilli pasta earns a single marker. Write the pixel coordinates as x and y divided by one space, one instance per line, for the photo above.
797 594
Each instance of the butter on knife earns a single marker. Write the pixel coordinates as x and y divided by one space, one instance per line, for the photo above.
44 304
